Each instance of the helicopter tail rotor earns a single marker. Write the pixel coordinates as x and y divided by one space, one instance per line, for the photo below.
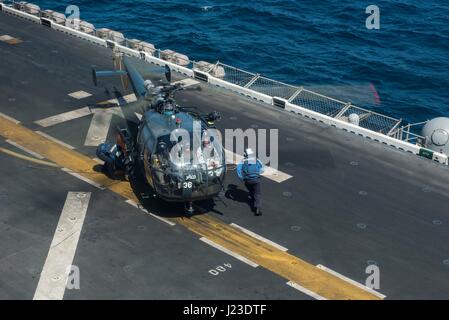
119 71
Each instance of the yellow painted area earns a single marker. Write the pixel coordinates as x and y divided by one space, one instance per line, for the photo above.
279 262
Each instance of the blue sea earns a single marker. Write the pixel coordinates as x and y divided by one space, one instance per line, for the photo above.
401 70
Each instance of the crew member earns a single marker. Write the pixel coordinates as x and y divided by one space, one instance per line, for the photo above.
113 157
159 162
249 170
209 156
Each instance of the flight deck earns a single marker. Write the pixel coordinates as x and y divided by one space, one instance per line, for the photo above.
337 204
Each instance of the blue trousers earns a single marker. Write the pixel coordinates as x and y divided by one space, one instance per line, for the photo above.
253 187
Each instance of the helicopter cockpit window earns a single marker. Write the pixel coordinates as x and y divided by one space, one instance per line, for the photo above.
210 156
159 163
176 154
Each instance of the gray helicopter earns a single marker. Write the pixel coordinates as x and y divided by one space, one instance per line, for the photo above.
177 150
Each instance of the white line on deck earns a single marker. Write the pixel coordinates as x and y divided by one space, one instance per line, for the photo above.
99 128
32 153
120 101
80 95
258 237
270 173
64 117
305 291
9 118
187 82
231 253
80 177
54 275
10 40
6 38
355 283
55 140
137 206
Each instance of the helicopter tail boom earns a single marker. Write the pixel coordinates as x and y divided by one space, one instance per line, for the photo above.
102 74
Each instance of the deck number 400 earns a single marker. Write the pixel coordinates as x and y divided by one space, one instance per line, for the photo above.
220 269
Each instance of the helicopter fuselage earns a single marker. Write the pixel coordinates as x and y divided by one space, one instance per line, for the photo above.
168 144
175 173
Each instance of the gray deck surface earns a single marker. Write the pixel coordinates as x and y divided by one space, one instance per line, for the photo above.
340 182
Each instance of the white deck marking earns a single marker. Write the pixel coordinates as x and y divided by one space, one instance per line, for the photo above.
80 95
99 128
231 253
10 40
187 82
6 38
54 275
137 206
64 117
270 173
68 146
255 235
78 176
305 290
355 283
276 175
9 118
121 101
138 115
32 153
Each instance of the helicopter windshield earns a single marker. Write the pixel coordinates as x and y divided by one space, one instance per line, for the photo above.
182 154
210 157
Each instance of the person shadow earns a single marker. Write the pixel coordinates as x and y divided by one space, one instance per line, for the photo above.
235 194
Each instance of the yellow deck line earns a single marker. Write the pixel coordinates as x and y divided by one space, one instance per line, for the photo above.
265 255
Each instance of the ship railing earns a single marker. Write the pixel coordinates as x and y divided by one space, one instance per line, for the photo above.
305 98
408 133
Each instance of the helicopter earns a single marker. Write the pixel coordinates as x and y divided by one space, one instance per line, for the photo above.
177 150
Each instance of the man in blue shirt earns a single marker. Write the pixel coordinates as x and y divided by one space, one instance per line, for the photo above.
249 170
113 157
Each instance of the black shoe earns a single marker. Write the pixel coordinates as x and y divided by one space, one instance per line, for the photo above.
257 212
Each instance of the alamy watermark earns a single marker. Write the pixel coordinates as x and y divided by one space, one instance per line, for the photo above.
73 17
235 139
73 278
373 21
373 280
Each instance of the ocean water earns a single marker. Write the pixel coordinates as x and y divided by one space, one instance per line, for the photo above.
401 70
